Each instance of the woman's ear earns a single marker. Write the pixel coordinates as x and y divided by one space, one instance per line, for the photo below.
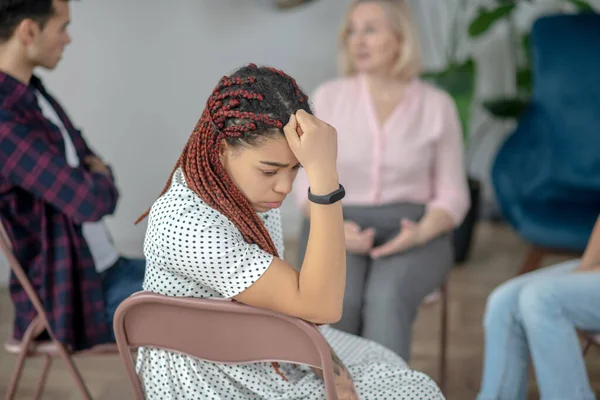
224 151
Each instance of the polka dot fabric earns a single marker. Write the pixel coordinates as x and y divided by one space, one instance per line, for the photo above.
194 251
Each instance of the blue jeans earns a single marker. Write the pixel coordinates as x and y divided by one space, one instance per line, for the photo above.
536 315
119 282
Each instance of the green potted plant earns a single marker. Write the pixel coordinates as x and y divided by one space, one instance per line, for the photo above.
512 107
289 4
458 79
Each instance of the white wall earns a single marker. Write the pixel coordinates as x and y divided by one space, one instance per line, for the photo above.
138 73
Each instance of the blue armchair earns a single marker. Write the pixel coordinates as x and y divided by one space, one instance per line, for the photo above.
546 175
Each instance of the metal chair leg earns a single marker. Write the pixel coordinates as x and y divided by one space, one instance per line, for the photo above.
31 333
443 336
74 371
43 378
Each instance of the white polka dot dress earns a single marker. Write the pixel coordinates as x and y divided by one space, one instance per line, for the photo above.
194 251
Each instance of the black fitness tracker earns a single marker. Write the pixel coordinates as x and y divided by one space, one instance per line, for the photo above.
330 198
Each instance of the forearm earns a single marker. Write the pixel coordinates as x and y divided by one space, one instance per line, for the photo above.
434 223
591 255
323 274
299 191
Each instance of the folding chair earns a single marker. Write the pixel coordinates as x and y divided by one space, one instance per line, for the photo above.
217 330
28 347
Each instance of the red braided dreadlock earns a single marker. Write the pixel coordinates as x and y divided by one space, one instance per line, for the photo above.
222 120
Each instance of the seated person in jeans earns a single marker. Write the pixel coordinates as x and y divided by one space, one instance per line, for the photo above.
54 191
536 315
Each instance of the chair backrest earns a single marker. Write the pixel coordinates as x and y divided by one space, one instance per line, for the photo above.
217 330
567 91
17 269
546 175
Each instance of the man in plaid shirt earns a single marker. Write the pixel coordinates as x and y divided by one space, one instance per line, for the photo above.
54 191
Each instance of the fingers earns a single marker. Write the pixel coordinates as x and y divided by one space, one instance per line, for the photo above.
369 232
290 131
354 232
361 237
303 117
305 120
386 249
357 241
93 162
351 226
407 223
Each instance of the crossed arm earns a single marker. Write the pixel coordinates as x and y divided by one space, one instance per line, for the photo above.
30 162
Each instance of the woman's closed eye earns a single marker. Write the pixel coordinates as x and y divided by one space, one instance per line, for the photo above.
267 172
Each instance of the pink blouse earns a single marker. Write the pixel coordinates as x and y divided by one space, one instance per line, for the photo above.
415 156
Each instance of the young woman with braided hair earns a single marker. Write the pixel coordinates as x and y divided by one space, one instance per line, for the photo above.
215 231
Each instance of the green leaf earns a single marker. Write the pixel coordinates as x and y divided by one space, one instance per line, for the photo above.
485 19
525 80
582 5
459 81
505 108
526 46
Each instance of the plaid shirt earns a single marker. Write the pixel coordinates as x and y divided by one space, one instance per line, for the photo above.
43 202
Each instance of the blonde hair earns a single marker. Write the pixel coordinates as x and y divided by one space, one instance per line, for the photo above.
399 15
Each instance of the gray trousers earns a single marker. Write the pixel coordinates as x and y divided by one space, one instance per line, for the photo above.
382 296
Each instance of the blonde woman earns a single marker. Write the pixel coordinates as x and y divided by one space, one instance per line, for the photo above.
401 160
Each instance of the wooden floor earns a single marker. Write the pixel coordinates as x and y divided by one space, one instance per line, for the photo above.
495 258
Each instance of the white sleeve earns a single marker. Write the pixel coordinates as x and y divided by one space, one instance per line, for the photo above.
214 254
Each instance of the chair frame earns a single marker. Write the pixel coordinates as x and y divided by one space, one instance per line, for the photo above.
28 347
147 319
535 255
442 362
